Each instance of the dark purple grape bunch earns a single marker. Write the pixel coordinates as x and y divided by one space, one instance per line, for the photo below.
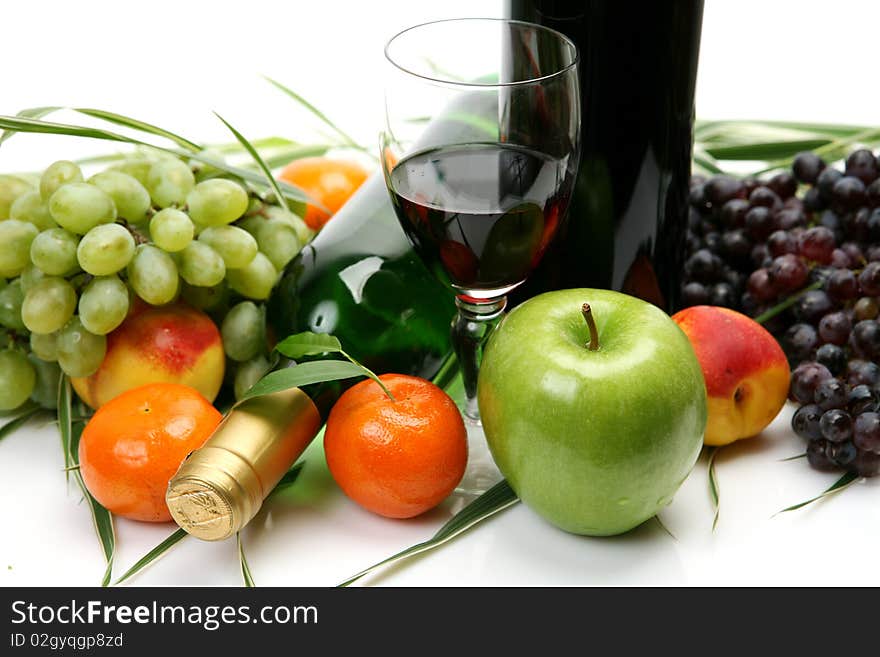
818 228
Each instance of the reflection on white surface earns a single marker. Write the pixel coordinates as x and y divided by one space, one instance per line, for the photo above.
312 535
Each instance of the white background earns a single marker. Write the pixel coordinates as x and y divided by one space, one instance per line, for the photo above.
172 63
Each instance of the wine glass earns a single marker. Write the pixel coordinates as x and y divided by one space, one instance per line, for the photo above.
480 153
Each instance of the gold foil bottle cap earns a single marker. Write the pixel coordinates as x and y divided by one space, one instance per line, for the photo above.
221 486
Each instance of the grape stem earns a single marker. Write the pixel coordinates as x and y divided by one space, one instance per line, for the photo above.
593 344
786 304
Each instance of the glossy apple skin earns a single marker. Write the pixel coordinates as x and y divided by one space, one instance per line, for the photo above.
746 372
172 344
596 442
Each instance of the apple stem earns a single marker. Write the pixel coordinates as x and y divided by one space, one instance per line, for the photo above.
593 344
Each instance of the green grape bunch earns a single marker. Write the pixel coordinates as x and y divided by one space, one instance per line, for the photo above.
76 254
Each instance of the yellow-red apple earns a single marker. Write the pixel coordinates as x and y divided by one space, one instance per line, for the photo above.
745 369
170 344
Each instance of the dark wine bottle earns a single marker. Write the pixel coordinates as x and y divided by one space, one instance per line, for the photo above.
627 220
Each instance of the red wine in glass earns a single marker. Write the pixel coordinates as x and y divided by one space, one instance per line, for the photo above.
481 214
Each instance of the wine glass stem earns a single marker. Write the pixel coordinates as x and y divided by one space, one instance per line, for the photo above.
470 329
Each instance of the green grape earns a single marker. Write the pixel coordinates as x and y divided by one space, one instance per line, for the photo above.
277 239
15 244
201 265
79 207
31 207
130 197
171 229
80 352
30 276
235 245
17 379
103 304
58 174
153 276
54 251
169 181
204 298
203 169
45 391
45 346
105 249
248 373
254 281
303 232
136 167
243 331
11 187
48 305
11 298
216 202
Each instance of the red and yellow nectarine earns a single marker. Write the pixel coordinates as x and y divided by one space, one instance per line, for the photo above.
745 369
162 344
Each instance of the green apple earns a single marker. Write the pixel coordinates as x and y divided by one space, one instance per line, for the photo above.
594 440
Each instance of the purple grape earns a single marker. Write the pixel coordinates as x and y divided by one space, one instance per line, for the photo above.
816 455
862 164
817 243
832 357
835 328
735 245
722 294
788 272
861 399
694 294
831 393
759 222
807 166
842 285
839 259
825 182
703 265
873 193
848 193
783 184
866 337
762 286
712 241
869 279
842 453
805 422
804 380
789 218
760 255
836 425
866 432
873 253
857 226
866 464
698 198
733 213
720 189
813 305
781 242
854 251
860 371
765 197
813 200
872 223
799 341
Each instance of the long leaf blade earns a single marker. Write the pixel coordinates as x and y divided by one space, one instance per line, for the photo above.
142 126
29 113
9 427
308 344
845 481
714 490
245 569
493 501
304 374
151 556
259 160
35 126
314 110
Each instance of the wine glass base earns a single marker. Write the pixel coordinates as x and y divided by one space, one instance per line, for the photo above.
481 472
